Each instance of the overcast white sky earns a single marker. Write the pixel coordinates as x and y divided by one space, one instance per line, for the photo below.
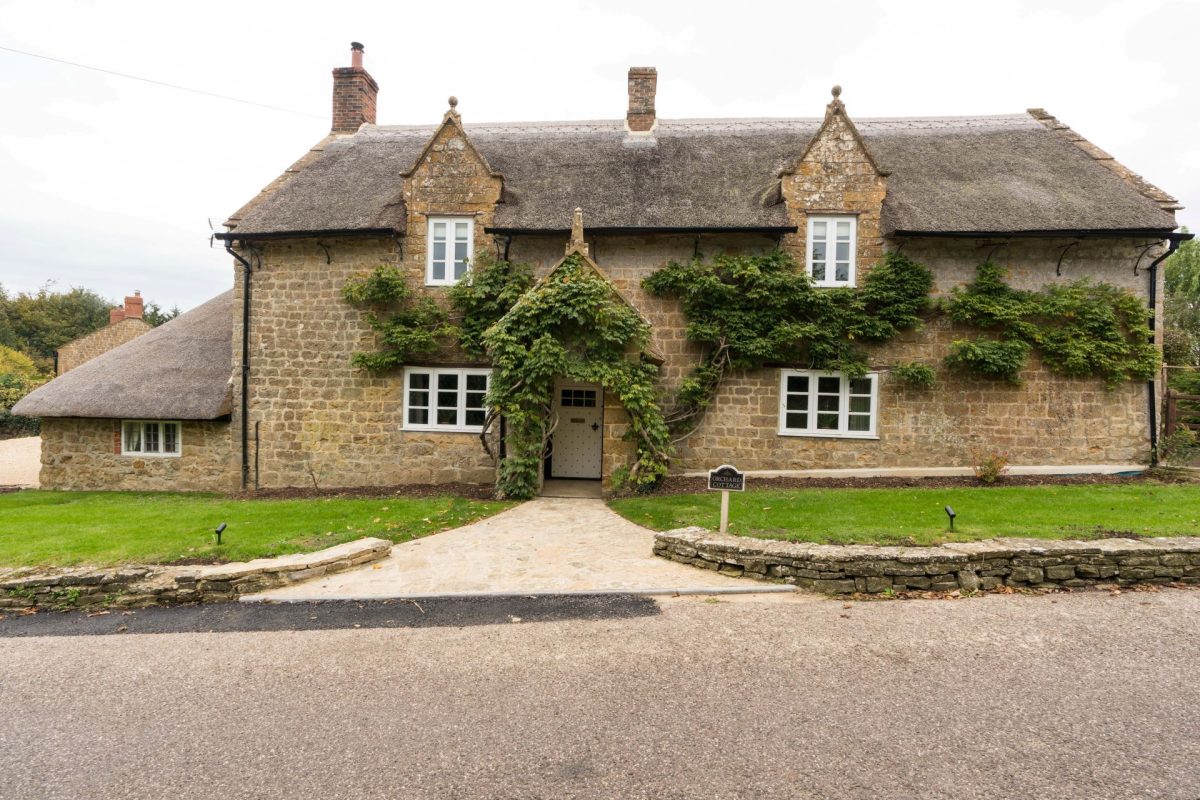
109 183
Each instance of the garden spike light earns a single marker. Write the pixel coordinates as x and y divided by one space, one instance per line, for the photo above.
950 513
219 531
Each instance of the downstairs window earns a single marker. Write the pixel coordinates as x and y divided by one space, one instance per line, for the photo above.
817 403
140 437
445 399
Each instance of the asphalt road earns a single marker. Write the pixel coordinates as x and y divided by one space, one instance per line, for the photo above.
1086 695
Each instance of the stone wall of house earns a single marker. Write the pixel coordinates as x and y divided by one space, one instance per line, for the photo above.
85 454
85 348
317 418
314 417
1047 420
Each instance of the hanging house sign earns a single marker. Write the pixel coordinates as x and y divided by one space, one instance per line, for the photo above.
726 478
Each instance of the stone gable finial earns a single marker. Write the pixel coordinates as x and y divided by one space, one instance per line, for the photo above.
452 112
577 244
836 103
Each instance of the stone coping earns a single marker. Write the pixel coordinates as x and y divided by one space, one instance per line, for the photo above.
138 585
936 472
967 566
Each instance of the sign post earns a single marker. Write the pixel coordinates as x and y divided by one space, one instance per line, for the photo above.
725 479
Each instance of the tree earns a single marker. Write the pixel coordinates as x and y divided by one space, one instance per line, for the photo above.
18 376
155 316
1182 302
39 323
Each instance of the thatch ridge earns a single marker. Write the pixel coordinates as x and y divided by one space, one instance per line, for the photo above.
1002 174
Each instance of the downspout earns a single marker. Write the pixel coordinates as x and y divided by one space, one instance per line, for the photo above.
246 269
1174 240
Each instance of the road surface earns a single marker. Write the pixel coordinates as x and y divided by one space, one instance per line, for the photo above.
1086 695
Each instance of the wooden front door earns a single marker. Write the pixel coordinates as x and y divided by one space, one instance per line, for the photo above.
577 443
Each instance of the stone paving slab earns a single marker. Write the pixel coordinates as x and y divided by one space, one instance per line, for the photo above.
546 546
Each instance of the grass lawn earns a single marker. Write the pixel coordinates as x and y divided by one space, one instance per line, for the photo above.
62 528
916 516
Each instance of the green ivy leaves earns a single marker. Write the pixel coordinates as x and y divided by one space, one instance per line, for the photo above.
754 311
1081 329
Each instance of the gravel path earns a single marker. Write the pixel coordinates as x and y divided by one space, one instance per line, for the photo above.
545 545
20 461
1084 695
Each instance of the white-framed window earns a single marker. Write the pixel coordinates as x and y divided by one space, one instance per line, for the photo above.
445 399
832 243
150 437
451 242
817 403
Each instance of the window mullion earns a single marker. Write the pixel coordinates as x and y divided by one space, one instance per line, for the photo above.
462 399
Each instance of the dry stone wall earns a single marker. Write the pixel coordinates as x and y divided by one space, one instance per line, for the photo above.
136 586
965 566
85 454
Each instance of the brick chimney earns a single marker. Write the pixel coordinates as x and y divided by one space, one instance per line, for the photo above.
354 93
116 314
643 81
133 306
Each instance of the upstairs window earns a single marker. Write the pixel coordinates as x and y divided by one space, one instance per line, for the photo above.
817 403
445 399
141 437
832 243
451 242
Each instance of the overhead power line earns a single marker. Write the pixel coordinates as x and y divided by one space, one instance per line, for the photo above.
158 83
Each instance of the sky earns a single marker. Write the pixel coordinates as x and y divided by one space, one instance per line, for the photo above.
111 184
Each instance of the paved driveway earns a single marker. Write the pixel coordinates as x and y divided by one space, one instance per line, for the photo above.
20 461
1084 695
546 545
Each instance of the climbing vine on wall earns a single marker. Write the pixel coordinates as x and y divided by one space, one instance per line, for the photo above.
1081 329
573 325
751 311
570 325
406 327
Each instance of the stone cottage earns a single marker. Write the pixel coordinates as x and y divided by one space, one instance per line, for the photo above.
125 323
282 405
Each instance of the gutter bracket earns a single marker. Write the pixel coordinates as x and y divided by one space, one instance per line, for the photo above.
1063 254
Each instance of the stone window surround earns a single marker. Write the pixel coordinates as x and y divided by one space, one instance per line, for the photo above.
449 220
161 438
843 431
433 373
831 248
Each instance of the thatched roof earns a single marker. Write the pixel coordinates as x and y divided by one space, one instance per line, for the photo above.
968 174
179 370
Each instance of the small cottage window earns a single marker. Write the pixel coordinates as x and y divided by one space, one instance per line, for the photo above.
451 242
445 399
141 437
832 243
816 403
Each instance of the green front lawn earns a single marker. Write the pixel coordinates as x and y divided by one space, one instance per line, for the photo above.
63 528
916 516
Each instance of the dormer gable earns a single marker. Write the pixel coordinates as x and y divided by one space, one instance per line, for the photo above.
834 194
451 180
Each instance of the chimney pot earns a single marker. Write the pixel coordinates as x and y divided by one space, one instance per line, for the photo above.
354 94
643 84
